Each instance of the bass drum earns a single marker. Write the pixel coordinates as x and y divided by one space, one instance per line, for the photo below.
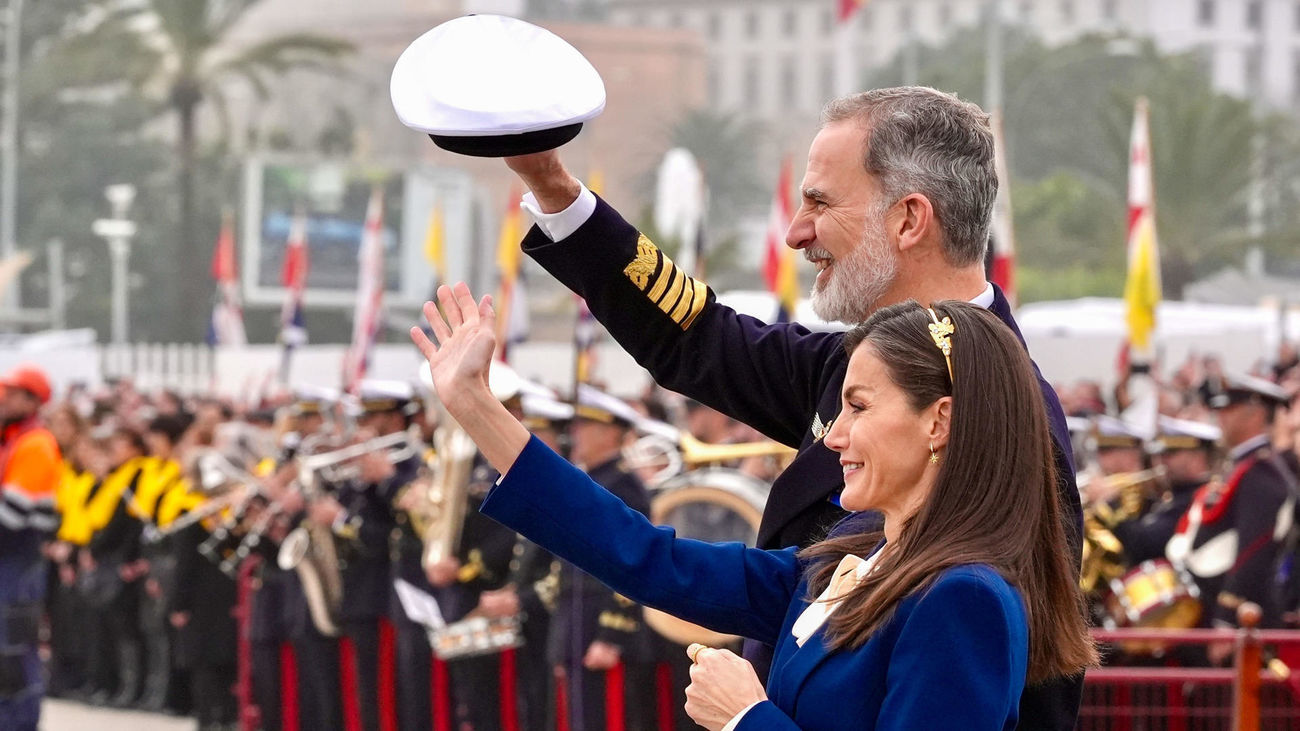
716 505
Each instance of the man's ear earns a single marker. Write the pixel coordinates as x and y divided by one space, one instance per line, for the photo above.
911 220
940 413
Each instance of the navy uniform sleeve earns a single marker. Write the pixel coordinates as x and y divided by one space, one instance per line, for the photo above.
726 587
768 376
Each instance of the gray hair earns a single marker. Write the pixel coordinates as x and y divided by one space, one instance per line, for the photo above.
920 140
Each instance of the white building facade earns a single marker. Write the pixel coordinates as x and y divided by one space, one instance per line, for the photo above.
776 58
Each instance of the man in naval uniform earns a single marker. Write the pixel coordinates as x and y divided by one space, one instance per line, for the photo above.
896 205
1230 537
1187 451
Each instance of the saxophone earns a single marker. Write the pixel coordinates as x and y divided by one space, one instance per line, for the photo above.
439 515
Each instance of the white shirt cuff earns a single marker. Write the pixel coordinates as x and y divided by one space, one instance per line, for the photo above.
735 720
558 226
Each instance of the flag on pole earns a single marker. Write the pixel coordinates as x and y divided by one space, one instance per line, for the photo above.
512 300
1003 235
370 294
846 9
779 266
293 277
1142 286
227 324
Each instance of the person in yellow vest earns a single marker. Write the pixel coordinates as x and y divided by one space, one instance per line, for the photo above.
63 603
30 469
110 575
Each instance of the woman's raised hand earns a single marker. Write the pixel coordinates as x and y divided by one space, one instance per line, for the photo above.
466 339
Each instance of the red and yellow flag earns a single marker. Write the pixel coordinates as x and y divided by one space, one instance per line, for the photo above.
1142 287
779 267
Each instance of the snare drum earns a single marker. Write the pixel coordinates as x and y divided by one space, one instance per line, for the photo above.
474 636
1154 595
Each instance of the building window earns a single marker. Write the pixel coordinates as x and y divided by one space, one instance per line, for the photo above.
789 82
1205 12
1108 10
790 22
715 26
1254 15
1067 12
751 24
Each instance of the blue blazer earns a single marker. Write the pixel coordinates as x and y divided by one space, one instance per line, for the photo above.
953 656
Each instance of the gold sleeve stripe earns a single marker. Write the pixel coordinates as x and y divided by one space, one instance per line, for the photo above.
676 294
697 305
663 279
684 303
674 291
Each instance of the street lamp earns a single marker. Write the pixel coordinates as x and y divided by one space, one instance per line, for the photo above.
118 232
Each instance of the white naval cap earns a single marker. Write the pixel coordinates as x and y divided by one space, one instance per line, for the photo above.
492 86
542 411
1184 434
1241 388
377 395
596 405
1114 433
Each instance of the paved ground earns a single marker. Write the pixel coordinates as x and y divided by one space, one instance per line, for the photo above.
58 715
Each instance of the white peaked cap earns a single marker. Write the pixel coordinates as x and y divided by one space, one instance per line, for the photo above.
481 77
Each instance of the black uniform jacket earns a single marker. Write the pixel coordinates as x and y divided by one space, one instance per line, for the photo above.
781 379
1144 537
585 609
364 548
1251 510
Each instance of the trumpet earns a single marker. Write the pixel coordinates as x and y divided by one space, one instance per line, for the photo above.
212 507
333 466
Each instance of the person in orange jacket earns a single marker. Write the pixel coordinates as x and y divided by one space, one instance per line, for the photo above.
30 470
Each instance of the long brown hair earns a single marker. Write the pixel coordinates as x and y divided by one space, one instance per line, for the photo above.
994 500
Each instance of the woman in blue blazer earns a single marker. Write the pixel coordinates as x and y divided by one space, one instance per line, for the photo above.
938 621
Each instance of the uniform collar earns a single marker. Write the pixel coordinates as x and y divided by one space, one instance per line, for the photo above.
984 299
1237 453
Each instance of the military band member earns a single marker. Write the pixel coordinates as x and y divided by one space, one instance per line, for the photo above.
1187 451
1228 538
1119 451
533 582
599 645
280 624
362 518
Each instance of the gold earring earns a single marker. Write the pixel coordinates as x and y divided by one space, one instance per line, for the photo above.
934 458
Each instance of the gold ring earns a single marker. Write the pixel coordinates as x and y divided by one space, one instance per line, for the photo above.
694 651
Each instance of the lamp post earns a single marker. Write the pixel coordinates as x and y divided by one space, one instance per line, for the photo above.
118 232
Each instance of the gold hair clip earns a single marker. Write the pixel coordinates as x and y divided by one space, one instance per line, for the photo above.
941 331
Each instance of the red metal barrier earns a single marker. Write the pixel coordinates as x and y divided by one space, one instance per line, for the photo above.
1258 691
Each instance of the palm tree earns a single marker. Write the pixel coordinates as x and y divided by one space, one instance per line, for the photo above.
178 52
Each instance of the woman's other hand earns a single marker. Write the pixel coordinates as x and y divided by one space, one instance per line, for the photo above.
722 685
466 340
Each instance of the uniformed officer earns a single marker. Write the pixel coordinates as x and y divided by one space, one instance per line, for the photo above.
532 587
30 467
599 644
1229 538
280 630
1187 451
363 518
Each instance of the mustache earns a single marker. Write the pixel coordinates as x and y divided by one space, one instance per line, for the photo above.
815 253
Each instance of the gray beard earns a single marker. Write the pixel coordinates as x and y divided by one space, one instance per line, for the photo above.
857 283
